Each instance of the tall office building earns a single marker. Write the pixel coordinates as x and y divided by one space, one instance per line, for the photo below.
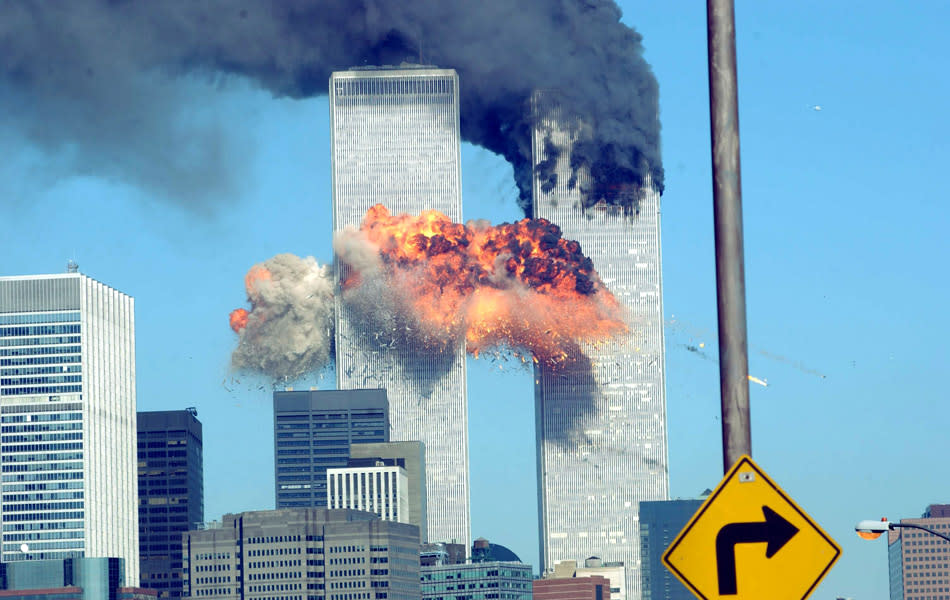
313 431
303 554
660 522
171 494
919 562
601 430
395 141
67 398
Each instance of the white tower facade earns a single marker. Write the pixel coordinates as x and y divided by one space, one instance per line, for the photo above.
395 141
67 404
380 489
601 431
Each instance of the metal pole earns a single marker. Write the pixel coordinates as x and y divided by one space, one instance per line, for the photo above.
727 206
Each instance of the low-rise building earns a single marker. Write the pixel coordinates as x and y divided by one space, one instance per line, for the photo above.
304 554
68 579
477 581
593 587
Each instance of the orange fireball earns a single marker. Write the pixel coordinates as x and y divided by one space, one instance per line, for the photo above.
516 284
238 319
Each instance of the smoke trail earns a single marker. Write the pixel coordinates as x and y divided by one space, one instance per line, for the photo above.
289 329
97 78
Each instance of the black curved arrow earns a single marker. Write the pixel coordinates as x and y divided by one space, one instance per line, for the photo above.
774 530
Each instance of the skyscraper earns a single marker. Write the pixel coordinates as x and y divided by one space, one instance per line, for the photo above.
313 431
601 429
395 141
67 397
919 562
171 494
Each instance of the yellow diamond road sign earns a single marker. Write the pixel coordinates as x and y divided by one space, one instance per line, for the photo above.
749 540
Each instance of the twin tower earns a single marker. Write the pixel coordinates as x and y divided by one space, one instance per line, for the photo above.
601 431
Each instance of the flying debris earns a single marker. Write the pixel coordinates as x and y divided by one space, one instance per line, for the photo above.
816 108
762 382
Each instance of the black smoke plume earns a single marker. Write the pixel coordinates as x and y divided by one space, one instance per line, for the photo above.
93 79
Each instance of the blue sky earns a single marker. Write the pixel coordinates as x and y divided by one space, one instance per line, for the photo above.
845 238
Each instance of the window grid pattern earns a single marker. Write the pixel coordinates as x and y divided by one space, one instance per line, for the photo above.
477 581
381 490
395 141
313 431
302 554
601 432
919 562
171 494
67 390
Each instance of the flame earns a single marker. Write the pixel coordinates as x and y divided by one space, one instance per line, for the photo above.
238 319
516 285
256 276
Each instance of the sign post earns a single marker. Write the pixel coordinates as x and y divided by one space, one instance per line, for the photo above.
749 540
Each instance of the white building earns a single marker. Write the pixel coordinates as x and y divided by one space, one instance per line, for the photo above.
395 140
379 488
67 398
601 429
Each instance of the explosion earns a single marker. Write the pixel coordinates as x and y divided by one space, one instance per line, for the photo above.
429 284
516 285
288 331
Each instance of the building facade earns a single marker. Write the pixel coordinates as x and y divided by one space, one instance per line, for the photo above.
395 140
313 431
171 494
68 579
67 398
601 427
376 485
919 562
660 522
593 587
477 581
303 554
413 457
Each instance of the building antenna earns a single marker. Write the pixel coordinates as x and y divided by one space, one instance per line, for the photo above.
72 266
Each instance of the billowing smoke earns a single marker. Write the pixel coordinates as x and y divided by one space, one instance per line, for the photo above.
427 284
105 83
289 330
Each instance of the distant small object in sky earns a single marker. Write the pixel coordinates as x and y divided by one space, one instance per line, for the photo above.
816 108
762 382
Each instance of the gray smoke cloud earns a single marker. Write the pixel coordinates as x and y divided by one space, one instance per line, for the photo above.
102 80
288 332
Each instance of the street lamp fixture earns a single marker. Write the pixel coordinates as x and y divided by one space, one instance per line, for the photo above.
871 530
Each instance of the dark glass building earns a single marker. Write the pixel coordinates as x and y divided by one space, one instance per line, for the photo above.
313 430
171 494
660 522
